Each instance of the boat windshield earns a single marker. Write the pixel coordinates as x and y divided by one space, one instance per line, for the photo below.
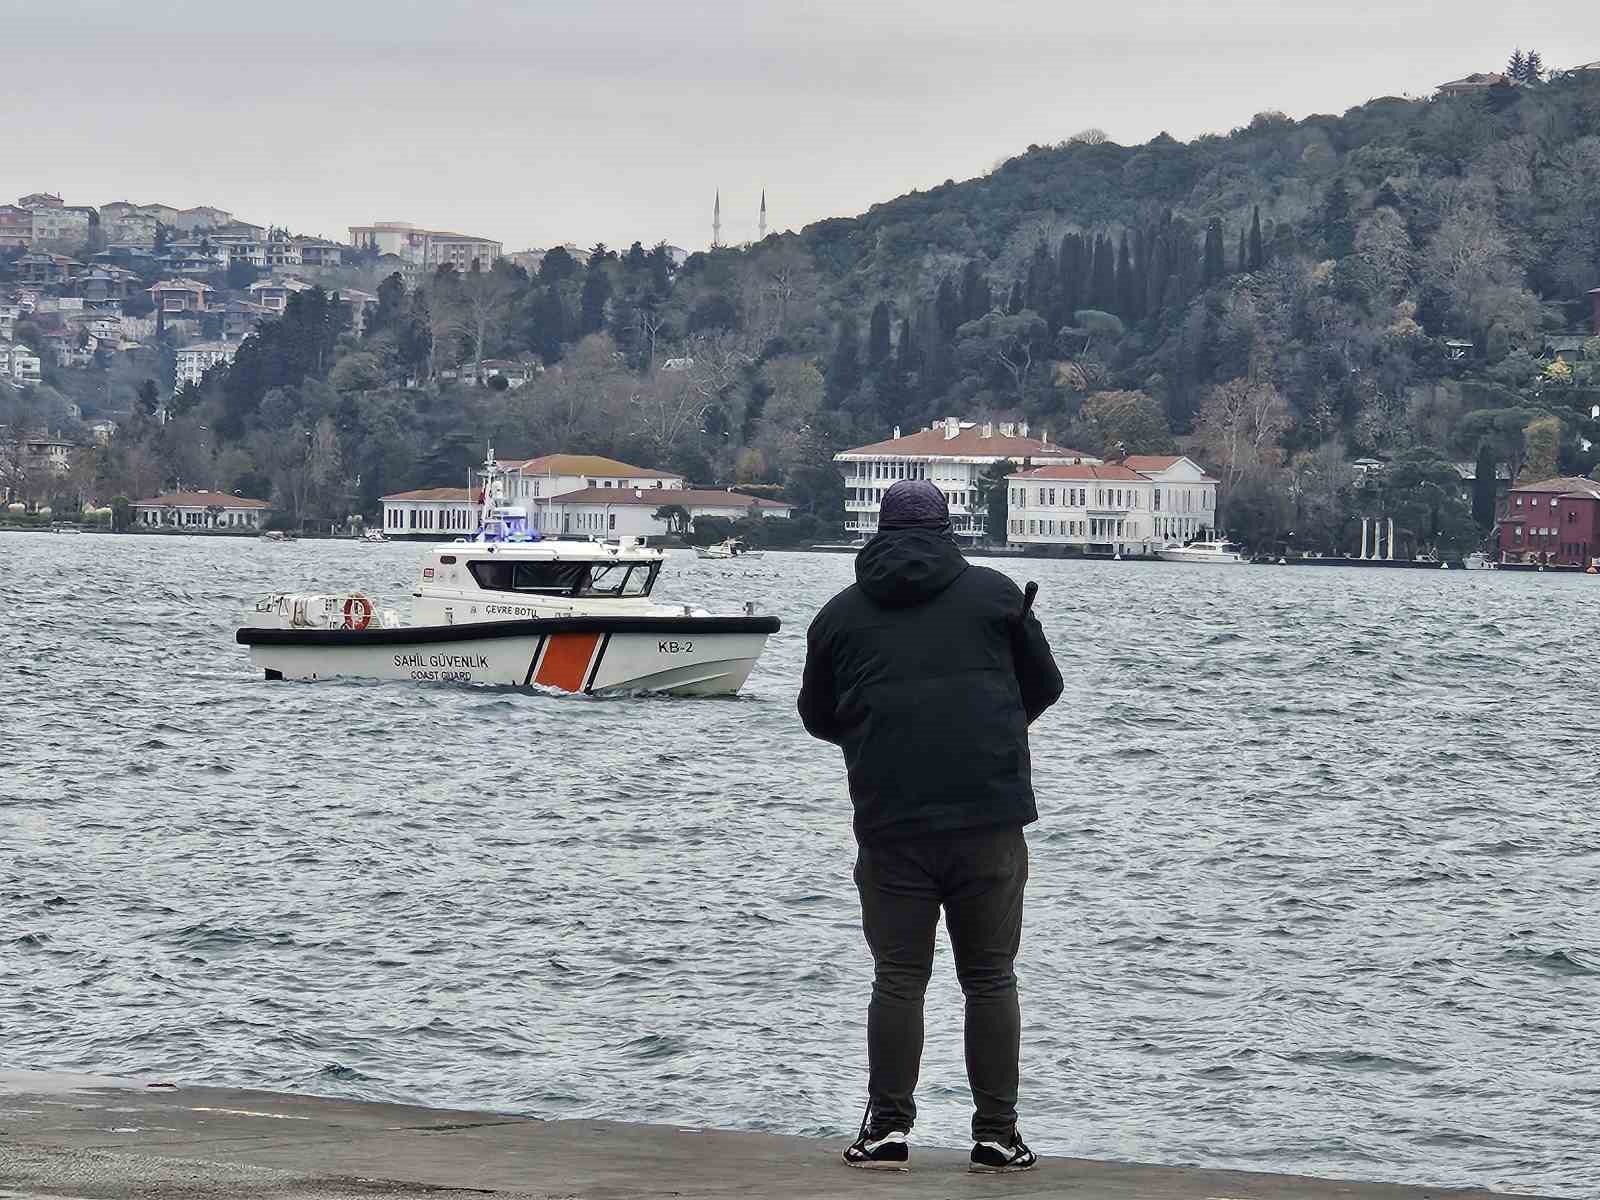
553 578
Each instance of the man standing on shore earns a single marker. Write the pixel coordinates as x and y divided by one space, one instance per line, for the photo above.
927 673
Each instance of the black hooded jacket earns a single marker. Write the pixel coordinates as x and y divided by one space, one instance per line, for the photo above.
926 674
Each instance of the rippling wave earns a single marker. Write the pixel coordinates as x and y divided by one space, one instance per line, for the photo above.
1314 887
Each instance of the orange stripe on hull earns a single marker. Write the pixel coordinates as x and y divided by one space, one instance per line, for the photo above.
566 661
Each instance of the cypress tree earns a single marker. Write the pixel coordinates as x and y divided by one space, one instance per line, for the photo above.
985 301
1186 263
1042 291
1014 304
1127 299
1069 271
905 351
844 368
1244 252
1257 259
1338 229
552 325
934 346
974 291
947 309
1213 268
1103 287
878 336
596 293
1155 274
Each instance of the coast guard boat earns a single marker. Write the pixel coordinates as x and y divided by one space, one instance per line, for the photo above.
506 606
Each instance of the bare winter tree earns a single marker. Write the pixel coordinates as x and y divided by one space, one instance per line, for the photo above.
667 406
479 306
1240 424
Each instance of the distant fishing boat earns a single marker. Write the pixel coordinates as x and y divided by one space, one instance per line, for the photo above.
732 548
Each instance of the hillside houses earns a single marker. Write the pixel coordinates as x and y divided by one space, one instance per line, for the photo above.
85 283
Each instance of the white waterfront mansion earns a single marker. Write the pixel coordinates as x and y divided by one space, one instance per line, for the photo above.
1131 507
954 455
572 494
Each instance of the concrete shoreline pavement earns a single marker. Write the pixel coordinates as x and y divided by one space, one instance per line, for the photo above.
86 1137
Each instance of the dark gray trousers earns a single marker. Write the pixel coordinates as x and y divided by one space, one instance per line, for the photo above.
977 877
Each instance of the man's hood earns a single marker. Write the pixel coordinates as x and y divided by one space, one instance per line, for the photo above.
904 567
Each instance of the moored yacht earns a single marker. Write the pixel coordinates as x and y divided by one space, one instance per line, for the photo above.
1218 553
508 607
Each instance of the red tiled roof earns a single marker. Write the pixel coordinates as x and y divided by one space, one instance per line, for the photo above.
586 464
444 493
1152 462
656 497
1564 485
200 500
1082 471
969 443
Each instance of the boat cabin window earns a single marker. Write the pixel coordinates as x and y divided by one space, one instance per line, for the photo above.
552 578
620 579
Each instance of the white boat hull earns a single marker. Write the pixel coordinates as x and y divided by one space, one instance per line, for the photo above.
691 656
1197 556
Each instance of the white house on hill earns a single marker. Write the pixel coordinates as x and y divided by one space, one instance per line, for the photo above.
619 512
954 455
1129 507
572 495
199 510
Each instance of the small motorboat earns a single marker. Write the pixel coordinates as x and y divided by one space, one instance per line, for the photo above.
276 535
508 607
1217 553
373 537
1479 561
732 548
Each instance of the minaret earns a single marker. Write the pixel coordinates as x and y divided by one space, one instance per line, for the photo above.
716 222
762 236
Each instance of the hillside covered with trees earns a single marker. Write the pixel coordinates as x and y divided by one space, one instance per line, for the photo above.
1406 282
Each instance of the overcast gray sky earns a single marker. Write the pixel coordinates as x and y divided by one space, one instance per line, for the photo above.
564 120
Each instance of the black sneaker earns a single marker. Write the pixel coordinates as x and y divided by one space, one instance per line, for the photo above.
997 1158
886 1153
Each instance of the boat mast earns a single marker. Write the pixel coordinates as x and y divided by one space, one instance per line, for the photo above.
491 472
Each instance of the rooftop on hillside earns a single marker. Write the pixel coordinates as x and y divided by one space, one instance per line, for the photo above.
201 499
659 497
1563 485
955 438
586 464
1098 472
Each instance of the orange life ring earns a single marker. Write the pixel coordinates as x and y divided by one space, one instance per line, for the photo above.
357 612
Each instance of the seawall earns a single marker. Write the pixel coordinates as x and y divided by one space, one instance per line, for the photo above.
95 1138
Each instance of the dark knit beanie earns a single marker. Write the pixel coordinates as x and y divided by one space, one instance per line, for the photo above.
914 504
